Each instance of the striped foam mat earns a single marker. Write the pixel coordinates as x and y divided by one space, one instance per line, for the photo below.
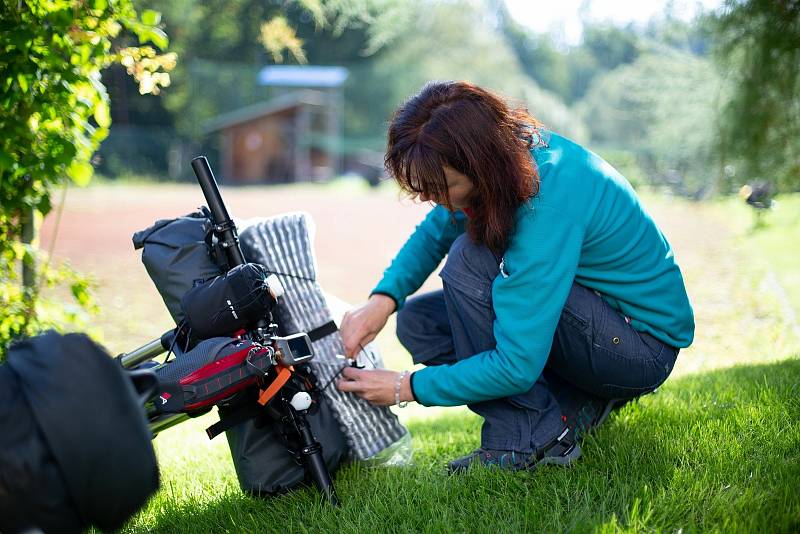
283 245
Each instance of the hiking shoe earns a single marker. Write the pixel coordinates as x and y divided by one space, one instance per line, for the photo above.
560 451
589 415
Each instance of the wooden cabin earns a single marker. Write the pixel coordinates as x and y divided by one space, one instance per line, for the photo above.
290 138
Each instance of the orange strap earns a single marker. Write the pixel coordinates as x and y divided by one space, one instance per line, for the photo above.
284 373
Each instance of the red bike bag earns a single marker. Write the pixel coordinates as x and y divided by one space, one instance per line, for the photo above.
213 370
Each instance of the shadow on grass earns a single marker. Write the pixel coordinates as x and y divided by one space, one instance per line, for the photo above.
716 451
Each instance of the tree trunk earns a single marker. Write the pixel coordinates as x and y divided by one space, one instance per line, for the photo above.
29 270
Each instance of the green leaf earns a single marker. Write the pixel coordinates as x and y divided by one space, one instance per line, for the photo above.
157 37
6 161
100 5
80 172
23 82
19 249
151 17
81 293
63 152
102 115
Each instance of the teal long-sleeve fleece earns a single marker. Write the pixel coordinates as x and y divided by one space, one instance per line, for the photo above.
585 224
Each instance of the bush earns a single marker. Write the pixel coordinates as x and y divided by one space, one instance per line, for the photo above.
54 114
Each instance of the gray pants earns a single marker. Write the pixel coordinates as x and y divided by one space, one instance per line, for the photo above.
595 352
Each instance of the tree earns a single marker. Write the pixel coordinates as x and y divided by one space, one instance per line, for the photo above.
568 71
221 55
537 55
758 43
453 40
604 48
662 109
54 113
673 32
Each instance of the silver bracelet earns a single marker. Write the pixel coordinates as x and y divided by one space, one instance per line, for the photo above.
397 385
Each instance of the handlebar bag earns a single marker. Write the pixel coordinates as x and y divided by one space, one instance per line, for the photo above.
179 255
229 302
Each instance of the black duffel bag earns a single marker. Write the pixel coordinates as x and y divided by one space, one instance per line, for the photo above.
179 254
75 449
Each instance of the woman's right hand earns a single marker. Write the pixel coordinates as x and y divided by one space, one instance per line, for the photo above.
360 325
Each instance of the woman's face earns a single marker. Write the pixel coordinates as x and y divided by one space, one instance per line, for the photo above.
459 189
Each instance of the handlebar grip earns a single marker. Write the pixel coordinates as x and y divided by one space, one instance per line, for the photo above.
224 228
205 177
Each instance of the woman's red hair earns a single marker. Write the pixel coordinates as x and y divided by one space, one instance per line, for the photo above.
475 132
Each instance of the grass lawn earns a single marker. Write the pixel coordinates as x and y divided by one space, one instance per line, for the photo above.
715 452
717 448
774 244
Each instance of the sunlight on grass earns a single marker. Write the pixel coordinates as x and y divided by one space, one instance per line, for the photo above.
775 242
739 315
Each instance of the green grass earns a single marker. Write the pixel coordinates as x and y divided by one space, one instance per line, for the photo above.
718 451
775 242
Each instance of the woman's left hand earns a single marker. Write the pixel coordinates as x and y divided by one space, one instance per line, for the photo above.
376 386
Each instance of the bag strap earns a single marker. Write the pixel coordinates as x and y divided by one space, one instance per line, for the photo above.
322 331
236 417
217 348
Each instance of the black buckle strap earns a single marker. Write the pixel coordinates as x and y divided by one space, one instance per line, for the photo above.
322 331
234 418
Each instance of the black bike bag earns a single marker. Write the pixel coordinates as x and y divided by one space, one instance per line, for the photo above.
228 303
214 370
179 254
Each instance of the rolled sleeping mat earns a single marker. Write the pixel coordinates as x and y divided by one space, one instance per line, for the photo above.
283 245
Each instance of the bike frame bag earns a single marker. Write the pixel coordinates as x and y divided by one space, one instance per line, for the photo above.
214 370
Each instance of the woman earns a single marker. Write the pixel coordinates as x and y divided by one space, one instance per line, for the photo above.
560 296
